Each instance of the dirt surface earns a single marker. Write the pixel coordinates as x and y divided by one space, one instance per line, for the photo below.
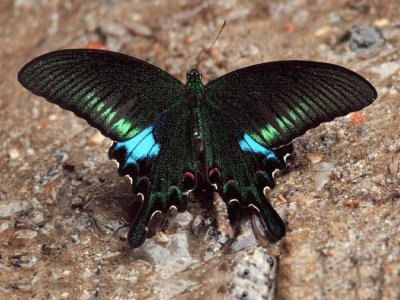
62 203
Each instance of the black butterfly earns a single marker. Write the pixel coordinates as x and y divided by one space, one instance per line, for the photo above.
172 138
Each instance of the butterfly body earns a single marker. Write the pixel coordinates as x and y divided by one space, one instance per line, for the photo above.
195 99
228 136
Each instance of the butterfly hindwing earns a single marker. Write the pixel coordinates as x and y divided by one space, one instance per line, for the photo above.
118 94
278 101
245 168
159 159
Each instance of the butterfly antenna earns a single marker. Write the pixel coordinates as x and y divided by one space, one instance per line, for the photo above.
208 50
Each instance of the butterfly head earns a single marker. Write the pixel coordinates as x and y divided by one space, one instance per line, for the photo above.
193 75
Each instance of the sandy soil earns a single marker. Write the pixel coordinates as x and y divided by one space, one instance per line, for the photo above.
341 198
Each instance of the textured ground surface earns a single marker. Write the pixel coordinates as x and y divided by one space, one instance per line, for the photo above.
341 199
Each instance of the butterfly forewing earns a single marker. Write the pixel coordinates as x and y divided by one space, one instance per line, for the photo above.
278 101
118 94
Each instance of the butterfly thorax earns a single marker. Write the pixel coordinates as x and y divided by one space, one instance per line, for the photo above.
194 90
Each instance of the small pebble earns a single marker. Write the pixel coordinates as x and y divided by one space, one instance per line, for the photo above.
300 17
177 251
85 295
110 254
379 179
29 262
108 28
140 29
35 203
394 165
49 201
61 156
123 233
381 23
196 222
365 39
353 203
161 238
393 91
8 209
44 123
187 41
52 117
334 17
13 153
4 226
87 273
322 172
246 237
95 45
357 118
65 295
25 234
66 273
33 218
340 134
97 139
314 157
323 31
30 152
181 220
75 239
290 28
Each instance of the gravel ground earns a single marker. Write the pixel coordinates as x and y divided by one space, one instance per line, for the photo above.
62 204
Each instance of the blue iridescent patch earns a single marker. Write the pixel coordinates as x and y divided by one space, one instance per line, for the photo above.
250 145
142 145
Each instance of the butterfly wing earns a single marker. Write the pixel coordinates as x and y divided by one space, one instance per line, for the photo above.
241 169
133 103
115 93
278 101
160 161
265 107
